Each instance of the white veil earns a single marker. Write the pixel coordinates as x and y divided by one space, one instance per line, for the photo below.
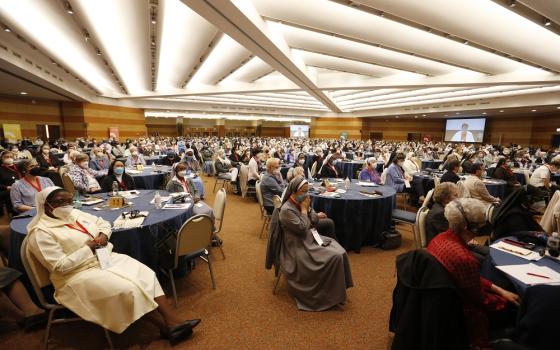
40 199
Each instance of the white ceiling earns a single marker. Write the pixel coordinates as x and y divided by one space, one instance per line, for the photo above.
291 57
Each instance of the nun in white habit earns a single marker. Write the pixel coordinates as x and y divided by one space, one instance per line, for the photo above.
65 241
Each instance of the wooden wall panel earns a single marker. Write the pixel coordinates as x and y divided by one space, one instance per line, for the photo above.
273 132
99 118
332 127
398 129
29 113
509 130
543 129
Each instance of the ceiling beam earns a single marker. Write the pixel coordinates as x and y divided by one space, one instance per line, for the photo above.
252 33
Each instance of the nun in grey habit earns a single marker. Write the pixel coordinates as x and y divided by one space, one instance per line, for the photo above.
318 275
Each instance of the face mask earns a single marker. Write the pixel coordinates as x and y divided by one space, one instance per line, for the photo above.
182 173
8 161
46 151
118 171
83 165
276 171
36 171
400 163
135 153
100 155
301 161
301 197
63 212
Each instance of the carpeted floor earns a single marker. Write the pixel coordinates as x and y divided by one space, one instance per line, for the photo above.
242 313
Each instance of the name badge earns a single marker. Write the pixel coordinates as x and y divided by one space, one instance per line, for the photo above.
104 257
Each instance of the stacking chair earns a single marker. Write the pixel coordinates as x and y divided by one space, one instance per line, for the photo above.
420 228
193 239
39 278
219 211
277 201
314 169
224 181
67 182
408 218
264 215
244 178
428 198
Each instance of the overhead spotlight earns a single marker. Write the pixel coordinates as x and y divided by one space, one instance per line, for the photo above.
547 22
512 3
154 20
6 29
501 111
86 36
153 43
98 52
381 14
484 113
533 110
466 42
69 9
23 93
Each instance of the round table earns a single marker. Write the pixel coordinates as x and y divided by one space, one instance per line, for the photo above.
59 155
555 177
519 176
149 179
359 219
431 164
139 243
496 187
153 159
349 169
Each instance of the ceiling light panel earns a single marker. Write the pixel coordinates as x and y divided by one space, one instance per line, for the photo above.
237 101
122 30
184 38
362 94
399 95
224 58
248 72
50 27
383 31
486 23
278 99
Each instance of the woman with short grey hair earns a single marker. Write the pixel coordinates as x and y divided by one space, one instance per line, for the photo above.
480 297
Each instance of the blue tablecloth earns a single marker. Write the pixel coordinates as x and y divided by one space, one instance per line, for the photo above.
432 164
349 169
496 187
555 177
153 159
149 179
519 177
359 219
138 243
540 304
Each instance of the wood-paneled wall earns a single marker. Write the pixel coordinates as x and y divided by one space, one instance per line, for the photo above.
398 129
161 126
29 113
509 130
333 127
99 118
544 128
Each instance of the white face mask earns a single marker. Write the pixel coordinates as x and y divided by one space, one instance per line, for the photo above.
182 173
63 212
135 153
8 161
46 151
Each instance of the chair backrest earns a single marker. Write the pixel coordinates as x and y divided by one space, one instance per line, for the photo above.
259 194
277 201
550 220
462 191
527 176
383 176
490 213
219 209
38 275
428 198
421 226
63 170
437 180
243 178
67 182
314 169
194 235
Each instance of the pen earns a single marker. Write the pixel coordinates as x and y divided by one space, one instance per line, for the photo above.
534 274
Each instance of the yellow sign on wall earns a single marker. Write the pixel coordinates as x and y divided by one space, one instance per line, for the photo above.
12 132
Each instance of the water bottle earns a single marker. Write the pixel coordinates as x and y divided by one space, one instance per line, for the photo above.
115 188
347 184
154 167
77 200
553 245
157 200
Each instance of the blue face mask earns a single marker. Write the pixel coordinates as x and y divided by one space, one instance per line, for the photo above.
118 171
301 197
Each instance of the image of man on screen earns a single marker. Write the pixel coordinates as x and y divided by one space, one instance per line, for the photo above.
299 133
464 135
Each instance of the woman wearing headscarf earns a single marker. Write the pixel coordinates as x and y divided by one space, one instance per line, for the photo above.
329 168
318 275
515 213
66 242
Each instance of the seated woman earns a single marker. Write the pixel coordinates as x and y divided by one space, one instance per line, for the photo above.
180 182
503 172
369 173
329 168
224 169
295 172
436 223
83 177
46 161
9 173
396 176
66 241
194 168
100 161
23 191
135 158
300 162
117 172
480 297
67 159
410 165
318 275
272 184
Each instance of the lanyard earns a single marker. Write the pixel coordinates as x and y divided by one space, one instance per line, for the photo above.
38 184
185 185
122 185
81 228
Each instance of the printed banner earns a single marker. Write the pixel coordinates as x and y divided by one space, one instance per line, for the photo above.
114 133
12 132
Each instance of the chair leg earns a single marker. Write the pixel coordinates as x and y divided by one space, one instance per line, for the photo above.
211 271
263 226
215 184
170 273
48 330
108 337
276 282
416 241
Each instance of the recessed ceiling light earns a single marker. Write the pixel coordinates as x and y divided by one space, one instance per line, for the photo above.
23 93
547 22
6 29
415 116
69 8
98 52
423 115
501 111
484 113
466 42
533 110
457 113
153 20
512 3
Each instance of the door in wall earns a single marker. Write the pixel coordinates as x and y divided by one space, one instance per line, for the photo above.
48 132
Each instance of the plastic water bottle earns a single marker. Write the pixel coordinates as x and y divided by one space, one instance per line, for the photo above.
347 184
115 188
154 167
77 200
157 200
553 245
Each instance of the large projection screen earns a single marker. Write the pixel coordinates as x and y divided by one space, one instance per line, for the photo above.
465 130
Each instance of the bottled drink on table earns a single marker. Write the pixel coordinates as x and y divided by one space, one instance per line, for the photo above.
347 184
157 200
154 166
553 244
77 200
115 188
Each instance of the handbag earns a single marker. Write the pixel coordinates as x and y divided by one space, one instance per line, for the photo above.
390 239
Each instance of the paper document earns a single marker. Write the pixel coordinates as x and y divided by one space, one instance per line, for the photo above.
127 222
340 190
129 194
367 184
133 171
104 257
407 183
317 237
517 251
183 206
163 199
531 273
92 201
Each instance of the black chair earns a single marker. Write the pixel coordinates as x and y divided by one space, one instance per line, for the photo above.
407 218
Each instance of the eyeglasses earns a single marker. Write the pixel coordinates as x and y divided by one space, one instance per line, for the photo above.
61 202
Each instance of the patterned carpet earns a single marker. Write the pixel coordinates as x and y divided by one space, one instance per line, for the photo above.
242 313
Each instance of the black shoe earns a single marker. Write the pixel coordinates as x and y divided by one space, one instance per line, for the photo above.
178 333
34 322
217 242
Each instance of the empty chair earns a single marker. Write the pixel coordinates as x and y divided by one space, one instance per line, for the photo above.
408 218
264 215
219 211
420 228
193 239
39 278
